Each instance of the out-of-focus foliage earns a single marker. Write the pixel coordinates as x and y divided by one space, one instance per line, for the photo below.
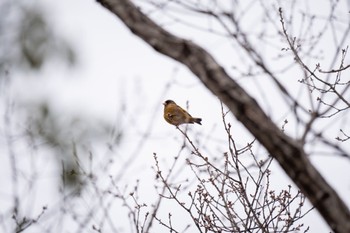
27 40
52 158
66 136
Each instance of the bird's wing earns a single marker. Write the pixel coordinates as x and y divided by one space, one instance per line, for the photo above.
184 111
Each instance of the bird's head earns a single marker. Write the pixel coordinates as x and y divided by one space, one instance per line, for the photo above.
168 102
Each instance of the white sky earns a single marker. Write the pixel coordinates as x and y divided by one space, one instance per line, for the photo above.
116 67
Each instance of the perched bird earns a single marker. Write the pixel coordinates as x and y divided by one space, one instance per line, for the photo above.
175 115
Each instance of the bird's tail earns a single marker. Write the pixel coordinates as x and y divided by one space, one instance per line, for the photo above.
196 120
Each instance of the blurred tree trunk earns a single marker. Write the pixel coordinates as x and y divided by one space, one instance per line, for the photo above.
287 151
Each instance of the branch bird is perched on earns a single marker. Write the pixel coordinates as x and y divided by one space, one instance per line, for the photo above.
175 115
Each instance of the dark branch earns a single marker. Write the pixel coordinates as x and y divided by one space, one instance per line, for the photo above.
288 152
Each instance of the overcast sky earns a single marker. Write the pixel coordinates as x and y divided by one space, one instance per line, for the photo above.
116 68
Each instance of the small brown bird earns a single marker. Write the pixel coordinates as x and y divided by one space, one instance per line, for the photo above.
175 115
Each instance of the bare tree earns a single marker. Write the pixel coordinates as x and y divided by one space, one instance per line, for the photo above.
329 84
196 188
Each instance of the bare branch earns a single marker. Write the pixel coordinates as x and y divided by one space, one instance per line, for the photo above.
288 152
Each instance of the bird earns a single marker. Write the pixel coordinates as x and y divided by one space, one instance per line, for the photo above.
176 115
